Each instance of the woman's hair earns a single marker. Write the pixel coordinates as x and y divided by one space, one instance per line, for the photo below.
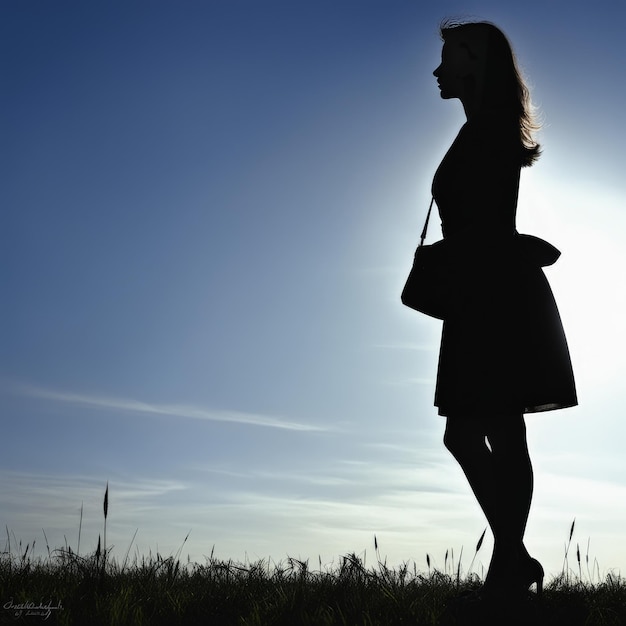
503 87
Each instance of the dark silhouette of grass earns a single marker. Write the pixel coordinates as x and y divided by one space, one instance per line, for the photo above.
67 588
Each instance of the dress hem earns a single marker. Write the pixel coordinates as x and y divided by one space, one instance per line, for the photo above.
539 408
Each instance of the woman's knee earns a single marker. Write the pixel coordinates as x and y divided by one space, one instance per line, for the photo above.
508 435
463 436
450 438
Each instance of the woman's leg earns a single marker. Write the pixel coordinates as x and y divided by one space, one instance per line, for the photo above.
500 476
466 440
513 481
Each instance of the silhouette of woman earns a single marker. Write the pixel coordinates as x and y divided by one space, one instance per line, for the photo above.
503 350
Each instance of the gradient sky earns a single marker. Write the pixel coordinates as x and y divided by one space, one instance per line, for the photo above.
208 213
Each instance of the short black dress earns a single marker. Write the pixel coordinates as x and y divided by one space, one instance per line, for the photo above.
503 348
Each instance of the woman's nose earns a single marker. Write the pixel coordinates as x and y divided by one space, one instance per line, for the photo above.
436 71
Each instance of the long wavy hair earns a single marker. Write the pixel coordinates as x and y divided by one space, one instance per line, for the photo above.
503 87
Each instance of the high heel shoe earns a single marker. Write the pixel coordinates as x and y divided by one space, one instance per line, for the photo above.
531 572
502 585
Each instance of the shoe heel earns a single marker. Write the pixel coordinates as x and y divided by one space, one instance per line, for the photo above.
533 575
539 577
540 586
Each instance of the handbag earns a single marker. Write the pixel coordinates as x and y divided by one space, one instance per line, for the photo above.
428 286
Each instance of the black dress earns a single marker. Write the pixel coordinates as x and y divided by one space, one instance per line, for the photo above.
503 349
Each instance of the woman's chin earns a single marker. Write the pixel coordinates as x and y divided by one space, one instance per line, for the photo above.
445 94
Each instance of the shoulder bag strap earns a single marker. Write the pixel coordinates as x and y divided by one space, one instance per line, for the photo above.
423 236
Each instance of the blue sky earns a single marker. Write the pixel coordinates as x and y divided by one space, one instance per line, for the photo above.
209 210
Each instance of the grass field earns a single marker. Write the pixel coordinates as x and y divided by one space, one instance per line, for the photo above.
65 587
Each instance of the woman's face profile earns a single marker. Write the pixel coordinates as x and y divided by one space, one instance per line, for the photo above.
455 67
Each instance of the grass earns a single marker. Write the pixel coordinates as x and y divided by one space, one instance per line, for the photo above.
65 587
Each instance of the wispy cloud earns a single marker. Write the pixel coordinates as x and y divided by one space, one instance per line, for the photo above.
32 501
174 410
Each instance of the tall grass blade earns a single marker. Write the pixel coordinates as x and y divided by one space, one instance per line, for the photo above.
181 547
128 551
106 512
567 547
106 501
478 546
80 526
47 544
480 541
